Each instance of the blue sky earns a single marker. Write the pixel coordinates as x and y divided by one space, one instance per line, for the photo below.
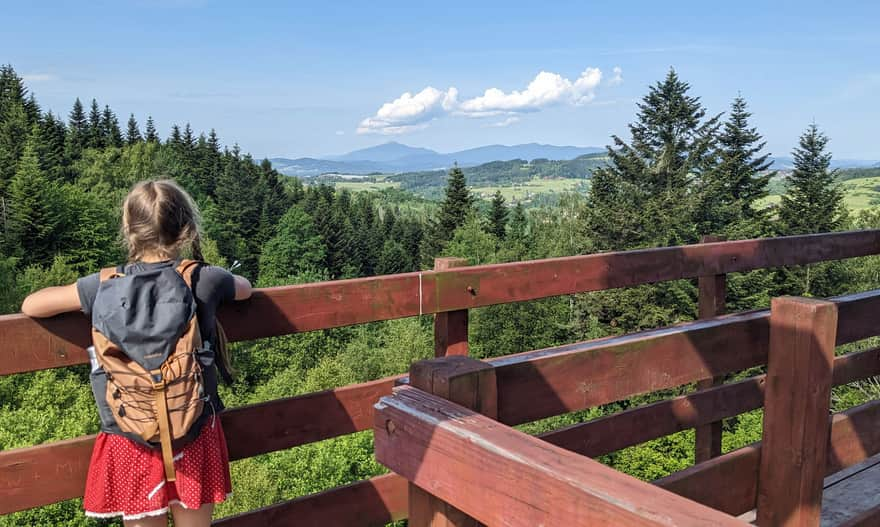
309 78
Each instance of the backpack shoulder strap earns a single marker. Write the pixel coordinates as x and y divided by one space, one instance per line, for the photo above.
186 268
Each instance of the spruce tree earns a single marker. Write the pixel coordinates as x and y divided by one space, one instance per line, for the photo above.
456 207
497 224
52 146
110 128
642 197
78 132
14 130
34 210
151 135
813 201
174 140
12 91
133 133
95 130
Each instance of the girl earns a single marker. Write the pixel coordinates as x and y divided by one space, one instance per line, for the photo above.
159 221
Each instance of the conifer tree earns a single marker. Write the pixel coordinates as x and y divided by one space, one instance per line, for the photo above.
78 132
642 198
813 201
296 248
456 207
52 146
96 134
151 135
133 133
498 213
12 91
14 130
110 128
728 193
34 210
175 140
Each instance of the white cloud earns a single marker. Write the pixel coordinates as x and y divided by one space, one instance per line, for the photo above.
412 112
38 77
507 122
617 78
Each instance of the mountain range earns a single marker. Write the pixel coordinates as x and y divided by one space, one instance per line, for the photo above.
394 158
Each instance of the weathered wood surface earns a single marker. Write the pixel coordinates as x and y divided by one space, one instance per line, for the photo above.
501 476
796 405
369 503
729 482
634 426
27 344
850 497
711 303
450 327
538 384
469 383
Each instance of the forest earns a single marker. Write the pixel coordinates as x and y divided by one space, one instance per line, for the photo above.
682 173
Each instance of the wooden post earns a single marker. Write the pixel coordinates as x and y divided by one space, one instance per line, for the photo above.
464 381
713 292
796 404
451 327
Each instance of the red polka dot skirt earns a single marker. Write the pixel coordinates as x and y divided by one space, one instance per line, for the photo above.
128 479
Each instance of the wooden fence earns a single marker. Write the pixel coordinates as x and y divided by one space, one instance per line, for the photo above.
39 475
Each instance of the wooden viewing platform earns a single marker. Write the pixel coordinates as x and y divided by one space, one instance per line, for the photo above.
445 431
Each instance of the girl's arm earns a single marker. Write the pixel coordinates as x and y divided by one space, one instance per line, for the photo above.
51 301
242 288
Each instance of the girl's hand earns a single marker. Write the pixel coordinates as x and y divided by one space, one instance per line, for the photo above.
51 301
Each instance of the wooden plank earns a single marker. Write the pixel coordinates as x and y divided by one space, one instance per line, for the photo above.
44 474
501 476
369 503
284 423
712 302
729 482
30 345
634 426
543 383
796 405
450 327
466 382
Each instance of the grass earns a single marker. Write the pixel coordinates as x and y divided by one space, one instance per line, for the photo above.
523 191
858 194
365 186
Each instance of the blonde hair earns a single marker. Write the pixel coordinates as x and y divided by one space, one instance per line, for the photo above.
160 218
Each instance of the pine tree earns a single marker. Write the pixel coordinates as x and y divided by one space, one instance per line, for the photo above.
642 197
95 130
52 146
497 220
151 135
133 133
78 132
456 208
110 128
813 201
175 140
12 90
14 130
34 210
729 192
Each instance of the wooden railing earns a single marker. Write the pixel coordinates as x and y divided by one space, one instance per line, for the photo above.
448 432
39 475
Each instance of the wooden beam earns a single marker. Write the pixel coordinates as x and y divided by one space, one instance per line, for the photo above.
27 344
729 482
712 302
44 474
374 502
466 382
450 327
868 518
611 433
501 476
796 405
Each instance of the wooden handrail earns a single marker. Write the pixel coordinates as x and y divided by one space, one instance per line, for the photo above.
475 464
27 344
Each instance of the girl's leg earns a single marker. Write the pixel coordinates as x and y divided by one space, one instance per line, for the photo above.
184 517
160 520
